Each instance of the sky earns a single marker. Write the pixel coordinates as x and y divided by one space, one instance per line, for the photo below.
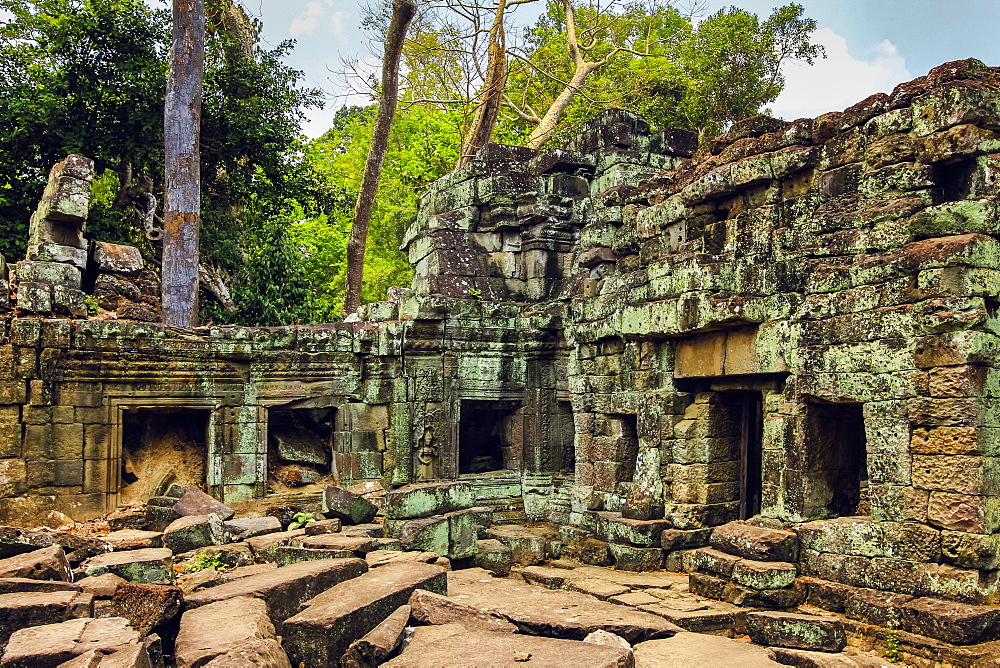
871 45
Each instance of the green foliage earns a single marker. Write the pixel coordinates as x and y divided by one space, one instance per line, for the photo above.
299 520
423 147
92 304
203 560
88 76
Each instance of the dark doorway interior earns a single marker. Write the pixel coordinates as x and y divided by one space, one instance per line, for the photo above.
298 446
162 446
746 411
836 459
486 438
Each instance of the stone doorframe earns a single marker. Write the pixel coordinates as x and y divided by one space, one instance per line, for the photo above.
213 439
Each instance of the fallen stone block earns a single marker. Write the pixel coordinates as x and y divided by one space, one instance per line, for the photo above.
325 628
806 659
347 506
133 539
231 555
949 621
336 541
196 502
284 589
286 555
323 526
383 557
266 652
429 608
126 656
49 645
151 565
553 612
810 632
493 556
149 608
372 530
613 528
101 586
690 650
206 577
426 499
17 585
756 543
607 639
47 563
745 597
14 541
528 545
428 534
194 531
241 529
764 574
433 646
116 258
24 609
711 560
264 547
211 630
463 532
380 642
158 518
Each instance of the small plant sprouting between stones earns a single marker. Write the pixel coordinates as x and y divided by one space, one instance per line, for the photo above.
892 640
92 304
300 520
202 561
475 293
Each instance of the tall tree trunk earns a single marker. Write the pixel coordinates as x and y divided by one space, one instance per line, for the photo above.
402 14
492 94
182 176
540 133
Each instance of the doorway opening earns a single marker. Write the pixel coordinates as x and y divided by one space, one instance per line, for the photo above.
298 446
836 461
162 446
488 436
745 412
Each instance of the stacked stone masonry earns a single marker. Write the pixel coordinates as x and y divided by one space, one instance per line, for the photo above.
631 337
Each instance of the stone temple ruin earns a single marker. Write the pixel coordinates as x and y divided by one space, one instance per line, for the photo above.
770 363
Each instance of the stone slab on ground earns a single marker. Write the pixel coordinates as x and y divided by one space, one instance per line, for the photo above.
453 644
194 531
756 543
694 650
249 527
697 616
347 506
133 539
47 563
380 642
426 499
15 585
126 656
435 609
264 547
196 502
211 630
382 557
336 541
24 609
554 612
284 589
596 587
321 633
795 631
806 659
266 653
151 565
49 645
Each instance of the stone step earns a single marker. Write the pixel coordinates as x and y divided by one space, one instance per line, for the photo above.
756 543
284 589
454 644
796 631
324 629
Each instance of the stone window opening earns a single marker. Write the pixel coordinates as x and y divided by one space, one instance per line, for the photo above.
299 446
488 439
836 475
160 447
954 180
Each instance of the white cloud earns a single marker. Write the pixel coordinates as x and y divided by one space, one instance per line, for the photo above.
306 22
839 80
337 20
